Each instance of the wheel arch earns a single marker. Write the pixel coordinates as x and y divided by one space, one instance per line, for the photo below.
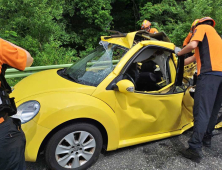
100 127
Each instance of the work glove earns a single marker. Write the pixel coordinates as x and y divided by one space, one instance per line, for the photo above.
177 50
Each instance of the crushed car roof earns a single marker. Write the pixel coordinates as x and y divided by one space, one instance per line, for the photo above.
127 39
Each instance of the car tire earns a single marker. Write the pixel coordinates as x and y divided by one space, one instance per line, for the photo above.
59 150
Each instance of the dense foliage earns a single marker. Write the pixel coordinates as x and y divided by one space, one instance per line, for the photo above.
59 32
175 17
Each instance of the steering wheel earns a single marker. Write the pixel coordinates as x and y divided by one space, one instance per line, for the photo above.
131 79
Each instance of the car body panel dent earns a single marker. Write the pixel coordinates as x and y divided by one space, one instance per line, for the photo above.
138 118
127 40
123 41
187 108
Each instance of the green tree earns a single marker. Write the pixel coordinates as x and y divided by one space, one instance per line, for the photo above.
33 25
57 32
84 22
175 17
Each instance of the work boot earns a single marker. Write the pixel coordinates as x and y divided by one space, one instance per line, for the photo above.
207 141
194 155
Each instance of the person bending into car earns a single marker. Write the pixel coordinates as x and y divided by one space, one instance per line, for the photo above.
12 138
207 99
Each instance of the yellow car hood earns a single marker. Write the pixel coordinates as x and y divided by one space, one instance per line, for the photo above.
44 82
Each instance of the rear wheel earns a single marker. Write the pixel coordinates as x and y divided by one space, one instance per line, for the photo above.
74 147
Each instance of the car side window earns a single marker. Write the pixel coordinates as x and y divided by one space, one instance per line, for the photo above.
152 71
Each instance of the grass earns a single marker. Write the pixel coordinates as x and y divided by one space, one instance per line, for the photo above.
13 81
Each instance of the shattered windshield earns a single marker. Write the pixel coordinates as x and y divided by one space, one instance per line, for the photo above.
95 67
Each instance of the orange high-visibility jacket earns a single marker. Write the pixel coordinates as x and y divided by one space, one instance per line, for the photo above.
209 51
12 56
153 31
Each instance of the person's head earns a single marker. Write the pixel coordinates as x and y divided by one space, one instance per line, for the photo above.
205 20
193 26
146 25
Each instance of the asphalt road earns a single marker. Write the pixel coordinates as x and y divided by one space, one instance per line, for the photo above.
162 154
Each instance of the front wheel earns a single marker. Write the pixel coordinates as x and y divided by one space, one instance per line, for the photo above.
74 147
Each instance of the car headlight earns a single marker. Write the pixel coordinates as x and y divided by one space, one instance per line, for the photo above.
27 111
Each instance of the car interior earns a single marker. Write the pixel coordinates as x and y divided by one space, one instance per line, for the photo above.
150 71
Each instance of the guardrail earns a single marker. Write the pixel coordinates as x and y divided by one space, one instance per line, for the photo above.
13 73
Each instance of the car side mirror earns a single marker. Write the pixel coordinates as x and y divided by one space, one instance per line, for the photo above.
125 86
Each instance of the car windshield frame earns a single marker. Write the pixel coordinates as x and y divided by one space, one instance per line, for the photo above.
95 67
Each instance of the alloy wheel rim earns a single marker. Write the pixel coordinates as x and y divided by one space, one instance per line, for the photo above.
75 149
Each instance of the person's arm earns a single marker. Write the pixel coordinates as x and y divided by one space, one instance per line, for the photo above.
187 39
191 46
189 60
29 60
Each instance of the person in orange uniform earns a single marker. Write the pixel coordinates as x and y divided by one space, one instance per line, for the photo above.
146 26
207 99
12 138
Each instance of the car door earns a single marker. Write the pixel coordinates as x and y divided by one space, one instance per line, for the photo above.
146 113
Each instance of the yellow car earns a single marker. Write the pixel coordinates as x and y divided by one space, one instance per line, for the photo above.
128 91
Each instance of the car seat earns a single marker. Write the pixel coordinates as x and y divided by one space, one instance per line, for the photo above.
147 78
